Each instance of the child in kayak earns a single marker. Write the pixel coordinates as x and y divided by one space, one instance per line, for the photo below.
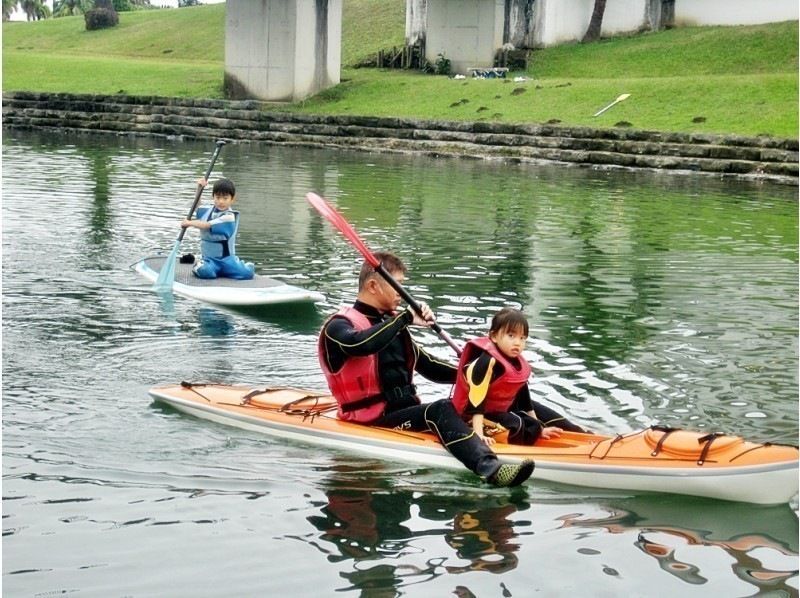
492 384
218 226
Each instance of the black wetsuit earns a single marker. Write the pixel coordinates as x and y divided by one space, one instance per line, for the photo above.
523 428
389 338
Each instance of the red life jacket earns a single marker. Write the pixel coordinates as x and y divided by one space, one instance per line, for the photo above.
358 379
502 391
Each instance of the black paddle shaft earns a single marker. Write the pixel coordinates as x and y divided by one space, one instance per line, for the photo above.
217 149
416 307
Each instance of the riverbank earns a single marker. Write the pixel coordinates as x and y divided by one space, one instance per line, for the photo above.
709 80
745 157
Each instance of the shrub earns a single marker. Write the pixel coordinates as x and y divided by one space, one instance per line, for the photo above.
442 65
102 16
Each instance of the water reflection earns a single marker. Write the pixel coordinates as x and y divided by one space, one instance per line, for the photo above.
101 225
215 323
663 528
371 523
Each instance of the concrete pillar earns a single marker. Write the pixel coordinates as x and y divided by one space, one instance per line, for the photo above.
519 22
282 50
660 14
416 20
467 32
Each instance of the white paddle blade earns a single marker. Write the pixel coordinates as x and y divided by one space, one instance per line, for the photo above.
621 98
166 277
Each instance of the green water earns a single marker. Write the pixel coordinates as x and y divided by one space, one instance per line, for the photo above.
652 298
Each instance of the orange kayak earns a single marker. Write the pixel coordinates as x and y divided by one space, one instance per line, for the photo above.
653 460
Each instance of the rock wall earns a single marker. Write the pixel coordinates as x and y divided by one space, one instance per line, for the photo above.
760 158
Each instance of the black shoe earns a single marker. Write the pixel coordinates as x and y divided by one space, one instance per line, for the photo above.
512 474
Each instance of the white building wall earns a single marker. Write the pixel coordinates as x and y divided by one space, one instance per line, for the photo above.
561 21
735 12
622 16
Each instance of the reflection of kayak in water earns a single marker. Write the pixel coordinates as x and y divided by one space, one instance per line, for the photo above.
761 543
656 459
260 290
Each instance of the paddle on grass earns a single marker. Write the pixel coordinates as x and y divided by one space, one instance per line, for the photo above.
338 221
166 277
621 98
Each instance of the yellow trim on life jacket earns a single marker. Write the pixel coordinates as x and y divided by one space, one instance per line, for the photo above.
477 392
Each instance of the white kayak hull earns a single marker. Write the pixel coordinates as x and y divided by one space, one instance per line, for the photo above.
764 483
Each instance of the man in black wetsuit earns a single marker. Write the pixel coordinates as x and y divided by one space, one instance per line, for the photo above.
369 358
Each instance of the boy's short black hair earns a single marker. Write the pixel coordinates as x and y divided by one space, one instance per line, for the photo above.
224 186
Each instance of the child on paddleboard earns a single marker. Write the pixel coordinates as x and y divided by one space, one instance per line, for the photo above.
492 384
218 225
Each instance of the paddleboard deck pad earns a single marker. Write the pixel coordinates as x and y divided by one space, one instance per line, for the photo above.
260 290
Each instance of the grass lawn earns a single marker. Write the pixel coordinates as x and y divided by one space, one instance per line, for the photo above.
712 79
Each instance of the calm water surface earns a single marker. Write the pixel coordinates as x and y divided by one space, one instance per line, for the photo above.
652 298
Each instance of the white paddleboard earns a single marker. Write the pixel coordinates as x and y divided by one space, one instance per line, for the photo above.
260 290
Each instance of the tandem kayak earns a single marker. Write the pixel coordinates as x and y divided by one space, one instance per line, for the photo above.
260 290
657 459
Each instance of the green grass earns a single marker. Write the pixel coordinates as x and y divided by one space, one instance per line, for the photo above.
693 51
193 34
730 79
371 25
765 104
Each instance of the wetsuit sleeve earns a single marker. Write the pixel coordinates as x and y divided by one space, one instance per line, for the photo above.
342 340
523 401
479 375
434 369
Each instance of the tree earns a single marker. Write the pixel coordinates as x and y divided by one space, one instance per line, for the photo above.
8 8
34 10
69 8
596 22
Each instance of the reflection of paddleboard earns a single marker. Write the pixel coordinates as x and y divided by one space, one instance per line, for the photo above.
225 291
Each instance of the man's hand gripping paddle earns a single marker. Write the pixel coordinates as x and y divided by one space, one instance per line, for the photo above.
338 221
166 277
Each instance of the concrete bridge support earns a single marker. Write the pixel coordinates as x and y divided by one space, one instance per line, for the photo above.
281 50
467 32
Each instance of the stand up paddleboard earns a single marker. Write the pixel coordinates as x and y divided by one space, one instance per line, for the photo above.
260 290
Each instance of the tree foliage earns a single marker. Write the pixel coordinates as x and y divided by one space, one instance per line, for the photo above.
70 8
34 10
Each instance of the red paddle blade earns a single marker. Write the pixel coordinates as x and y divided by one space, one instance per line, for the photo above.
336 219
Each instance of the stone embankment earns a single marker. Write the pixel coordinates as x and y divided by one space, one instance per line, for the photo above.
757 158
